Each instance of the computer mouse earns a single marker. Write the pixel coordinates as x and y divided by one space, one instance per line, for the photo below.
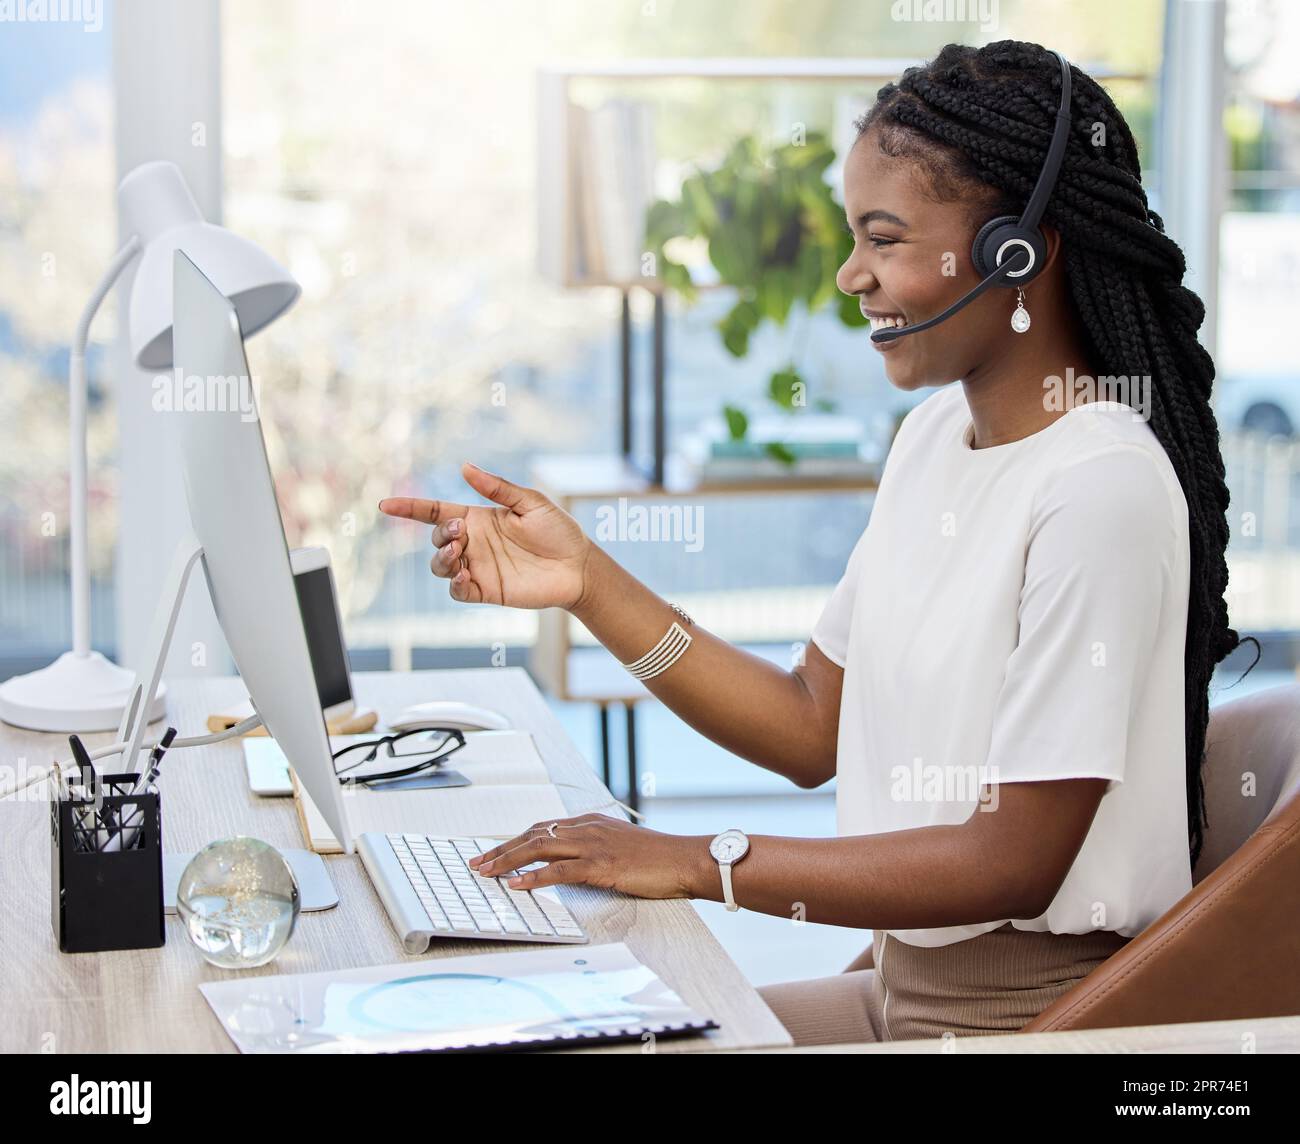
449 713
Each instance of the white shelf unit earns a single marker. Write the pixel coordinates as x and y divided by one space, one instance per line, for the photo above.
556 123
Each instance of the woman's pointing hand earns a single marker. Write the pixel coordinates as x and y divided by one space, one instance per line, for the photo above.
524 551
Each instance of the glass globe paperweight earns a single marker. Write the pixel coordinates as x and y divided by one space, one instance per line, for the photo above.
238 900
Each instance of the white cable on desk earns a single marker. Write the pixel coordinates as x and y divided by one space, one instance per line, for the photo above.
240 728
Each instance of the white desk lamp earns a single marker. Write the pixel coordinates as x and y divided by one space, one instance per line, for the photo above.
82 690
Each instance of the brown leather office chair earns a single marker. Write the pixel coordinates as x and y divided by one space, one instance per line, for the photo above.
1231 947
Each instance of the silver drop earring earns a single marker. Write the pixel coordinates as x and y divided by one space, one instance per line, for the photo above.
1020 317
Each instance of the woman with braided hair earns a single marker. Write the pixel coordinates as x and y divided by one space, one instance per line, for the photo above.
1010 682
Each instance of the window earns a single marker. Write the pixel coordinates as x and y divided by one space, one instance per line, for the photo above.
56 237
1258 365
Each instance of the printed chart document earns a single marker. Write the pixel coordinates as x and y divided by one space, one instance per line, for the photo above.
562 996
510 790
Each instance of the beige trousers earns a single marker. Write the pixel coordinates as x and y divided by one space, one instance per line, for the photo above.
993 983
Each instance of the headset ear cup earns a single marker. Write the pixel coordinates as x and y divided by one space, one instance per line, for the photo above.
980 254
993 234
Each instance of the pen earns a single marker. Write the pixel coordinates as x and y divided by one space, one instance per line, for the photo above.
84 765
155 761
89 787
125 838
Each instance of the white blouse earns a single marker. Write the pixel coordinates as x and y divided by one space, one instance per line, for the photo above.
1015 614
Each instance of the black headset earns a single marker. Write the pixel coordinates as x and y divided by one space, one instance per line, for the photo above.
1010 251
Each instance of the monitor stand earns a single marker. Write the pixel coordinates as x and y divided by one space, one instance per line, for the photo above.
135 716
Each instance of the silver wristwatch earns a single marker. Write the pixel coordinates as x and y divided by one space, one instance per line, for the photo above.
728 848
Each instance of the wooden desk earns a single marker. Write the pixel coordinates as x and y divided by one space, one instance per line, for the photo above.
148 1000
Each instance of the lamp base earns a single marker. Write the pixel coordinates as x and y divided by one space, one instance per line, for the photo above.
75 693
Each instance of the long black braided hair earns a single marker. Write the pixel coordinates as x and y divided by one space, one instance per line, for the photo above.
990 111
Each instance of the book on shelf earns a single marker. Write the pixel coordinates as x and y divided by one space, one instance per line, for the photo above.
825 447
769 469
611 165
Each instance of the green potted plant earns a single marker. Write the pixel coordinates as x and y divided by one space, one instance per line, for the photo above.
776 234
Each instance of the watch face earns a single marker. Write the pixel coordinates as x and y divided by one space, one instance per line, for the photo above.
729 846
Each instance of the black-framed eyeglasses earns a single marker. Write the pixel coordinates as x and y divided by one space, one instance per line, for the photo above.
412 752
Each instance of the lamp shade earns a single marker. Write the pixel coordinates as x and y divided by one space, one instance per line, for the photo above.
159 210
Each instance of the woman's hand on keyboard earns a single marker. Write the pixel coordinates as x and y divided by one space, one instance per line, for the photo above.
526 553
597 850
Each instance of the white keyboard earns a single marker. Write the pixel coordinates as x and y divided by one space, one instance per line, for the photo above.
429 891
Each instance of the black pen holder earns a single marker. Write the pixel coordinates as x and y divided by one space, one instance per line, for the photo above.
107 899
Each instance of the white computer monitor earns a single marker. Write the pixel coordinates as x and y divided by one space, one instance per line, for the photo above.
236 519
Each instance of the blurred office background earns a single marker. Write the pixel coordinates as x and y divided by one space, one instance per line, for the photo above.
401 161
